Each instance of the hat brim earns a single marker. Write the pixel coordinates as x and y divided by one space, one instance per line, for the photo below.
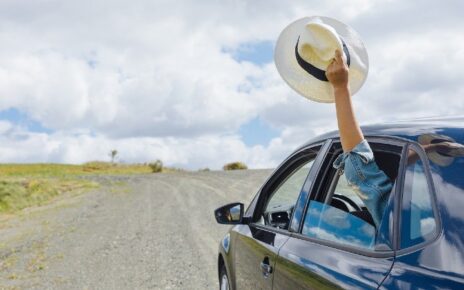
301 81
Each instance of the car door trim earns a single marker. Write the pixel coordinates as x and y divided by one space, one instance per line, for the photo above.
345 248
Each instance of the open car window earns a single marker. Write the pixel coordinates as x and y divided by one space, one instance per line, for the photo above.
338 214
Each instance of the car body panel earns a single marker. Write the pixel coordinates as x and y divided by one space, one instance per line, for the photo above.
254 245
303 263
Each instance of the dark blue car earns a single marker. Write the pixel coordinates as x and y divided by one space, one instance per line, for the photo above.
307 229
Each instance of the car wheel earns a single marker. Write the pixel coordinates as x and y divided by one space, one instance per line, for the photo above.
224 280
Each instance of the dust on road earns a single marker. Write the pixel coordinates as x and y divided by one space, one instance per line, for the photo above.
135 232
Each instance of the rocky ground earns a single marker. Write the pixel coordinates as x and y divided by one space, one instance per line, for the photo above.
135 232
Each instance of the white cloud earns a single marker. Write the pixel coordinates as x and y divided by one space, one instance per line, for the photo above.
154 79
5 127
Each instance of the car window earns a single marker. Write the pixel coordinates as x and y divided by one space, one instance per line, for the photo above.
343 218
418 222
339 214
330 223
281 203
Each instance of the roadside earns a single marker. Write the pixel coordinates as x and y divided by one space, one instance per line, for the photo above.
154 231
27 185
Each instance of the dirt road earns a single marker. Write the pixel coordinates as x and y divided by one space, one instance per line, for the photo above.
141 232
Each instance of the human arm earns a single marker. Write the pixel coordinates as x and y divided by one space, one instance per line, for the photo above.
371 184
350 132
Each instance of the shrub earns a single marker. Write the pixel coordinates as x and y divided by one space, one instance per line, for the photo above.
96 166
156 166
204 169
235 166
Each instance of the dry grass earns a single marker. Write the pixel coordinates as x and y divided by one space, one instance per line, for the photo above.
17 193
67 170
25 185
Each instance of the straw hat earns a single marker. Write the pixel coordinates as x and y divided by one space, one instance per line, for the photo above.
306 47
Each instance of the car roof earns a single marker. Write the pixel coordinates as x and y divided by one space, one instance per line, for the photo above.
452 126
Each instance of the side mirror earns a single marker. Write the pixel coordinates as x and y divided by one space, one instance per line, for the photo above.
230 214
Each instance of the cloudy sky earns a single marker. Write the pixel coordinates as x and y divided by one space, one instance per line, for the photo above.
193 82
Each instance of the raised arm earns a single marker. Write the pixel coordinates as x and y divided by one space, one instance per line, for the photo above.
350 132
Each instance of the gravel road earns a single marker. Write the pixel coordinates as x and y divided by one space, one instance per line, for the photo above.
134 232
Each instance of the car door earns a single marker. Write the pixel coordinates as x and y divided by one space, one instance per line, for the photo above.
257 243
336 245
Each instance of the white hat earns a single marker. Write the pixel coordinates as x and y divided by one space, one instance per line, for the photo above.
306 47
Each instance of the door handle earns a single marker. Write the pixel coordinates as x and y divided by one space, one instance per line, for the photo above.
266 268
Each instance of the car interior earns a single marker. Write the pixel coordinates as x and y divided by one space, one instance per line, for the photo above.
386 159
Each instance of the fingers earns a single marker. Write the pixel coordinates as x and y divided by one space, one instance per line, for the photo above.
337 71
338 56
336 60
330 67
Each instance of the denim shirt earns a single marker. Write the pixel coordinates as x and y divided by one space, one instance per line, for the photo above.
370 183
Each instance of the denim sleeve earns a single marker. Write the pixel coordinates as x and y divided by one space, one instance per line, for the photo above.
370 183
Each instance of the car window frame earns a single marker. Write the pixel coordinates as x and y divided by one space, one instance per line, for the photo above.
433 198
279 175
324 170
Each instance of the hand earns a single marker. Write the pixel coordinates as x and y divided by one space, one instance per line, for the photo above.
337 72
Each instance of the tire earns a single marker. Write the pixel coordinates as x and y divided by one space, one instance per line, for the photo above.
224 283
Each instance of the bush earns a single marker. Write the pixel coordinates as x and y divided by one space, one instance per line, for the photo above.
96 166
156 166
235 166
204 169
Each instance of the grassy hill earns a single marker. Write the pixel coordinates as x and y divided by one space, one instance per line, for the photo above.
25 185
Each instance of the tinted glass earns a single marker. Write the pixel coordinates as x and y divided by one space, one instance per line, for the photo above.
288 191
417 218
329 223
280 206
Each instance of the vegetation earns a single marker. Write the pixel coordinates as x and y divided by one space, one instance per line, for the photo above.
67 170
25 185
19 193
156 166
113 154
235 166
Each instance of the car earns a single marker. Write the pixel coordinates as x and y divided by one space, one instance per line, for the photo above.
306 228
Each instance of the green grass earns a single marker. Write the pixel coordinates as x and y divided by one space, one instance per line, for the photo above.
17 193
26 185
66 170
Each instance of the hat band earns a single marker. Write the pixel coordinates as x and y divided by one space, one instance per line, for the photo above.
314 71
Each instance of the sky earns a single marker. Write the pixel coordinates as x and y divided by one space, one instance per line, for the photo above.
193 83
